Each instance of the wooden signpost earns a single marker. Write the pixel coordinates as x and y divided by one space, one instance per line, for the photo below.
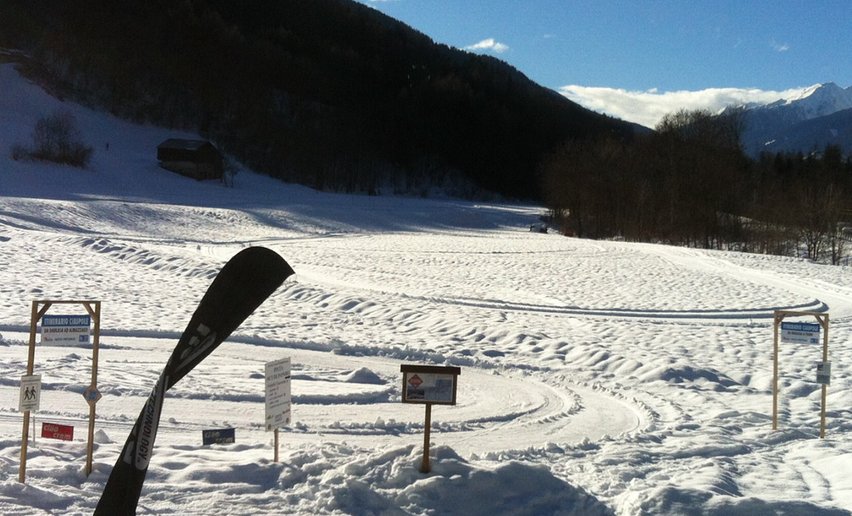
803 333
428 385
64 330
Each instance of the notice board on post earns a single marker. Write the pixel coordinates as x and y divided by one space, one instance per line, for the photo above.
278 394
77 330
429 384
801 333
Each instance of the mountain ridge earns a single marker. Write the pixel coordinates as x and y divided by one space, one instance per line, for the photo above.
806 123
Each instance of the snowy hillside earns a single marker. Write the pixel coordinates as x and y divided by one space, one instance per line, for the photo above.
596 377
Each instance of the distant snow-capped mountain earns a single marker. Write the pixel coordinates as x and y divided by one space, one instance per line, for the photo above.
820 115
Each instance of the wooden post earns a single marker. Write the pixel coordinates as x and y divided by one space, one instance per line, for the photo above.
276 445
824 323
425 467
96 318
778 319
34 317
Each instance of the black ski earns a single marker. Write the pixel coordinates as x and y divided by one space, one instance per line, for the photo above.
240 287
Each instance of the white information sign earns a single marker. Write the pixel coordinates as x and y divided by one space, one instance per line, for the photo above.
278 395
58 330
30 392
801 333
823 373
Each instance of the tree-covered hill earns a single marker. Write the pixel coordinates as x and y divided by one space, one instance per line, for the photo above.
328 93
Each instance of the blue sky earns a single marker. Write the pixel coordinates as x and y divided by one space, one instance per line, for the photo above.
639 59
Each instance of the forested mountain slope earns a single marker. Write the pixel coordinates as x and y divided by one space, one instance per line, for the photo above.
328 93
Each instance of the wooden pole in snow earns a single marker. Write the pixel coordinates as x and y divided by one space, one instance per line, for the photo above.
425 467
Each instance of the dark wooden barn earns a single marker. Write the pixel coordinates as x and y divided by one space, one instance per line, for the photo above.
198 159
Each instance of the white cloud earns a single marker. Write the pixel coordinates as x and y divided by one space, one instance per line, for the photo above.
488 45
780 47
648 107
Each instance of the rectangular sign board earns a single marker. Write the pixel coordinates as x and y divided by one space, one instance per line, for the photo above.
58 330
30 392
823 373
278 394
220 436
55 431
429 384
801 333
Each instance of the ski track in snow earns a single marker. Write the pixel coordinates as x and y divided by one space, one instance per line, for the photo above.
492 407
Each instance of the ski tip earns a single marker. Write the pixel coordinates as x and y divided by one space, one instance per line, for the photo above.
265 258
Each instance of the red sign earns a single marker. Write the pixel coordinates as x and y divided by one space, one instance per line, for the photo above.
415 381
54 431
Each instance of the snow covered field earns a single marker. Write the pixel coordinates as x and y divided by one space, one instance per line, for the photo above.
597 377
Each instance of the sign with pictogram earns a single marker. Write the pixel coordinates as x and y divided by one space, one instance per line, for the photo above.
823 373
92 394
30 392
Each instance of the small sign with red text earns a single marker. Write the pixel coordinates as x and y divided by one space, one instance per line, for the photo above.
54 431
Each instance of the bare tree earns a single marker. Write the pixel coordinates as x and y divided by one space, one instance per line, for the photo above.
56 138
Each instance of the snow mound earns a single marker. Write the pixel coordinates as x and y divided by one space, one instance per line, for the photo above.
673 500
364 375
391 483
101 437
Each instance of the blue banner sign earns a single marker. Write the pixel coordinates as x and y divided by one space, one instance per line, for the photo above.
66 320
804 333
59 330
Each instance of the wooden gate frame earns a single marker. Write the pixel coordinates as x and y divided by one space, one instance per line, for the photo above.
39 308
822 318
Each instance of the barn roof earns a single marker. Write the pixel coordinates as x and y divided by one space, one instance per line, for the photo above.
179 143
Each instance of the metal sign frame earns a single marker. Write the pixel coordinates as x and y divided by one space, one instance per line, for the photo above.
822 318
39 308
